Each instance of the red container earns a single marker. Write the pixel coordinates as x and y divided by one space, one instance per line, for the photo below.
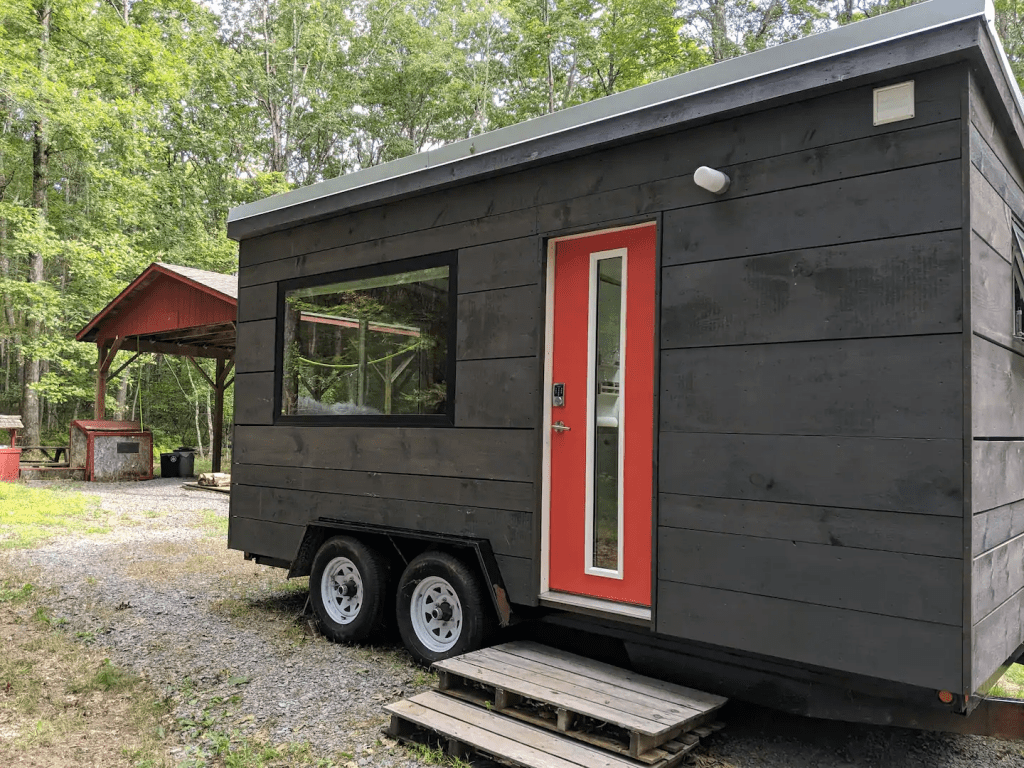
10 458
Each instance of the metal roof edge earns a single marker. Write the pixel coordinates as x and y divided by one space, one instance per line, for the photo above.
863 34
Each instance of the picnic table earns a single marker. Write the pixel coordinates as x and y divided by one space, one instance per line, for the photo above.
54 453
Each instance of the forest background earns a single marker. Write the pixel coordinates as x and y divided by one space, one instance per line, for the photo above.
129 128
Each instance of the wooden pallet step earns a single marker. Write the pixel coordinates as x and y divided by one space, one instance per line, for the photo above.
464 725
574 690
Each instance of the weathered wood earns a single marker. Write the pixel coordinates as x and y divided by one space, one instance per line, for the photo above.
996 637
875 207
497 393
601 707
257 346
466 234
898 150
996 575
507 264
502 323
900 650
998 473
494 494
990 216
518 574
258 302
922 476
655 689
892 387
997 390
509 532
498 659
992 296
549 744
984 123
984 160
254 398
888 583
270 539
992 528
882 531
480 454
894 287
804 124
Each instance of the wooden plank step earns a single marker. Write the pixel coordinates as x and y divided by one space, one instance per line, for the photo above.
497 736
645 713
650 687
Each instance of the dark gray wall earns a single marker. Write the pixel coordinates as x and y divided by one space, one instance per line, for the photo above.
811 450
997 394
811 502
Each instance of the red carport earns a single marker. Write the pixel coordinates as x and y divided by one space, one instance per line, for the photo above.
171 310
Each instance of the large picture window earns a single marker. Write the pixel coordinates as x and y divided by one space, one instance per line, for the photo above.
371 347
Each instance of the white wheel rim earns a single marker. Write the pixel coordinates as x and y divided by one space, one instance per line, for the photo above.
436 614
341 588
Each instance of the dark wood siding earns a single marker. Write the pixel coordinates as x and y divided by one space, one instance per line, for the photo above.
812 407
810 437
997 386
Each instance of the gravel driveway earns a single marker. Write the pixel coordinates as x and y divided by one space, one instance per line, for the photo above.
224 639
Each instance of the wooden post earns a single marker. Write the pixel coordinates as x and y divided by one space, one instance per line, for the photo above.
106 357
218 413
364 326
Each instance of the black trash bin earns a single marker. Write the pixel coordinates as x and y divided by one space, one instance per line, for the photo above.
186 461
170 464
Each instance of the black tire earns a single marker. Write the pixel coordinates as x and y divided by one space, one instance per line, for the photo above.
343 563
429 582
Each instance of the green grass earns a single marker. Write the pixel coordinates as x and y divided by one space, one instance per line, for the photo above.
1010 685
30 516
214 523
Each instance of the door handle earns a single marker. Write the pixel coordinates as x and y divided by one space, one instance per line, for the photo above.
559 426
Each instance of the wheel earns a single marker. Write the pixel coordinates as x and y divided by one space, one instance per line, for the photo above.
348 587
442 608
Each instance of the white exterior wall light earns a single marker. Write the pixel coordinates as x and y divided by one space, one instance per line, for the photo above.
713 181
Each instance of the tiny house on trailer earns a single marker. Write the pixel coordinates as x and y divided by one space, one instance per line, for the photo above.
766 436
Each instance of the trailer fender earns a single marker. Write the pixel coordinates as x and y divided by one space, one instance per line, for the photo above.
318 532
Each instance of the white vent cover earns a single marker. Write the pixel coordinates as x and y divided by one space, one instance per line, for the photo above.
894 103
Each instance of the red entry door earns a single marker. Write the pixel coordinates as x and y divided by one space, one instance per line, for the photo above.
602 415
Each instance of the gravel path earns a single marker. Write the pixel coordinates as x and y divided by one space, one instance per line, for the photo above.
224 639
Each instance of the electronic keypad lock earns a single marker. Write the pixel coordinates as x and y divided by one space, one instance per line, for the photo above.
558 395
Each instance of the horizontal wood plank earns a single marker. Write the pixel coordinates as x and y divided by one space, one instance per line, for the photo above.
654 689
892 387
996 637
996 575
493 494
258 302
502 323
997 391
998 473
900 650
889 583
875 207
892 287
254 398
996 526
262 537
257 345
992 296
985 160
604 707
480 454
990 216
984 123
332 257
500 393
855 528
804 125
507 264
499 736
509 532
922 476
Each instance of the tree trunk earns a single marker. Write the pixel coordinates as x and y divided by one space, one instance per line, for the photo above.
122 398
40 174
719 31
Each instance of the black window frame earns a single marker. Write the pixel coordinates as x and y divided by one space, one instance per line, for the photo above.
447 419
1017 269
